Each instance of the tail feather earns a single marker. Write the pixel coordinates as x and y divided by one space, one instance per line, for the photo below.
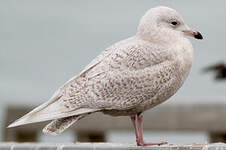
59 125
51 110
39 116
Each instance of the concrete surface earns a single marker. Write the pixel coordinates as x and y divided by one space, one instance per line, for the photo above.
107 146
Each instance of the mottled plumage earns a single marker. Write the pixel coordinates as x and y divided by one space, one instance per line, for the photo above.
127 78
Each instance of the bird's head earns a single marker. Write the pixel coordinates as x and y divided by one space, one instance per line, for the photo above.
164 23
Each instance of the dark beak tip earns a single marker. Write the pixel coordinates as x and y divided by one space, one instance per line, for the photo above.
198 36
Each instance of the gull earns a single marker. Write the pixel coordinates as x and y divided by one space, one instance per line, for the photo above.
126 79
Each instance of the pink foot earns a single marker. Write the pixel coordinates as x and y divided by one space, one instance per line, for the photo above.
149 144
140 141
133 119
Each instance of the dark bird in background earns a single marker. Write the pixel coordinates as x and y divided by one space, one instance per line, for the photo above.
219 70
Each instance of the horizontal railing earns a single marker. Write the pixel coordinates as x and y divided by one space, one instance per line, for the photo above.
208 117
191 116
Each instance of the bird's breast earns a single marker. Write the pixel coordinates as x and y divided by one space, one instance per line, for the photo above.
183 58
172 76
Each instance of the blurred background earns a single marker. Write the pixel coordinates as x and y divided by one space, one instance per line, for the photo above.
44 43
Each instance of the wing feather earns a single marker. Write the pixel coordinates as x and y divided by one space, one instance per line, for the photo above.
111 81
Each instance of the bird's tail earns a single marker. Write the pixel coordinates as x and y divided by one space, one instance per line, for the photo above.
52 110
59 125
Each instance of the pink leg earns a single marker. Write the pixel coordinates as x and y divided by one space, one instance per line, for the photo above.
141 139
133 119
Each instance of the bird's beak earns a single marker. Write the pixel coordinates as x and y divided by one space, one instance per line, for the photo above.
192 33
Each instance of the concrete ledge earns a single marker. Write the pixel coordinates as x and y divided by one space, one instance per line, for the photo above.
106 146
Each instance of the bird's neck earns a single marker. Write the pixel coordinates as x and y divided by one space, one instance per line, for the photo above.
183 54
158 35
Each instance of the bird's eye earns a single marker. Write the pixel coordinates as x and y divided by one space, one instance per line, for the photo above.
174 23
